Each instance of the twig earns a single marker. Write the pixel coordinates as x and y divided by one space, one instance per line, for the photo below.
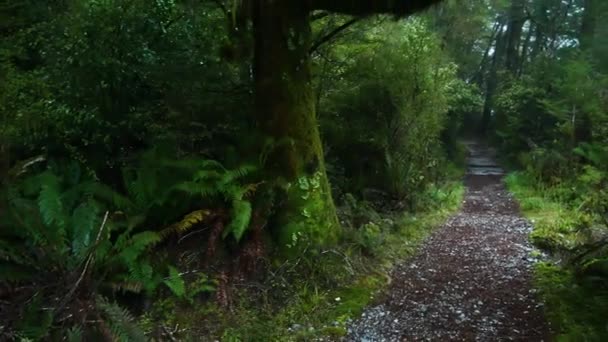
190 234
333 33
86 265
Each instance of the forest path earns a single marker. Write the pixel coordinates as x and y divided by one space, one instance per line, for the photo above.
471 279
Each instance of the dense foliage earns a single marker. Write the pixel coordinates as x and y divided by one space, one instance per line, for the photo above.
167 160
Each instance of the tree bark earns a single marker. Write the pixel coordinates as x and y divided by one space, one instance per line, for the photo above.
285 108
285 111
514 32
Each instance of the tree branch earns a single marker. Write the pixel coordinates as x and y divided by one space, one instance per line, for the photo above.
365 7
319 15
332 34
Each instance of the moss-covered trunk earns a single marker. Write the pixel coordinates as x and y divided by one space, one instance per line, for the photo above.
285 110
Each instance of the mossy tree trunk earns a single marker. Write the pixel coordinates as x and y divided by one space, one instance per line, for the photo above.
285 107
285 110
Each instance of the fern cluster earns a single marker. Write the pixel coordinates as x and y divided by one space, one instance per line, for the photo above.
56 239
71 238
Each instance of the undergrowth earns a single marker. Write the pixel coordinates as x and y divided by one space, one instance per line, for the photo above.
318 292
574 293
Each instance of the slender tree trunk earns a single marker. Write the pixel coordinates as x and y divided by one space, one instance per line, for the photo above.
285 111
478 77
524 50
492 80
513 38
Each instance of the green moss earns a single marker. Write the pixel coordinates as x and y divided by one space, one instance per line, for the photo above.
310 216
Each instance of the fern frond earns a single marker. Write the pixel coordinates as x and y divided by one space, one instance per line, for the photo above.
84 223
196 188
250 189
208 174
241 216
240 172
175 282
126 286
109 195
121 322
187 223
49 201
137 244
74 334
35 323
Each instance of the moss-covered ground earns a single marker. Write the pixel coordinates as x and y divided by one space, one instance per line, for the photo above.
577 307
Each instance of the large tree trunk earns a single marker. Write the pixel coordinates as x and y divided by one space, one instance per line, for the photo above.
285 112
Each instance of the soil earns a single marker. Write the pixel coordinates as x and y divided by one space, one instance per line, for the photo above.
472 278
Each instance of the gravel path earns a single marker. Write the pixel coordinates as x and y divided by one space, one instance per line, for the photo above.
471 280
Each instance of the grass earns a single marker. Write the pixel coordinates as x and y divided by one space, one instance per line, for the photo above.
576 307
318 293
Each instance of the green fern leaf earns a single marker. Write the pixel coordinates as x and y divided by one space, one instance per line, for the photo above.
121 322
187 223
175 282
35 324
84 224
137 244
74 334
49 201
128 285
109 195
241 216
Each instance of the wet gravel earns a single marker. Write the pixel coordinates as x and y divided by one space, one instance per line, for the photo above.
470 281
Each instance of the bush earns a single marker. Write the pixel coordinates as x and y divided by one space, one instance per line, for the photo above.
393 100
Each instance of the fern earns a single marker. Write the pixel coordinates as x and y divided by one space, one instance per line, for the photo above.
136 245
49 201
175 282
84 223
241 216
218 183
121 323
134 286
36 324
189 221
74 334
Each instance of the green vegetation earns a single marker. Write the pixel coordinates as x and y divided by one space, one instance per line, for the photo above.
574 289
249 170
302 298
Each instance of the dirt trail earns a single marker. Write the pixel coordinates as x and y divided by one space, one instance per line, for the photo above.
471 280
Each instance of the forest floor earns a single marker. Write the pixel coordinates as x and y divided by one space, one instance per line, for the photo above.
471 280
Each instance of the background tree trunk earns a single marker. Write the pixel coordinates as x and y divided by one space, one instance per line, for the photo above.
513 35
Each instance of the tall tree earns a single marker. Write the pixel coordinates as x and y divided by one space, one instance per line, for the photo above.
285 103
513 35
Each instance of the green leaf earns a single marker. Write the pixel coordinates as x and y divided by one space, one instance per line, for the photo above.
175 282
84 224
241 216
